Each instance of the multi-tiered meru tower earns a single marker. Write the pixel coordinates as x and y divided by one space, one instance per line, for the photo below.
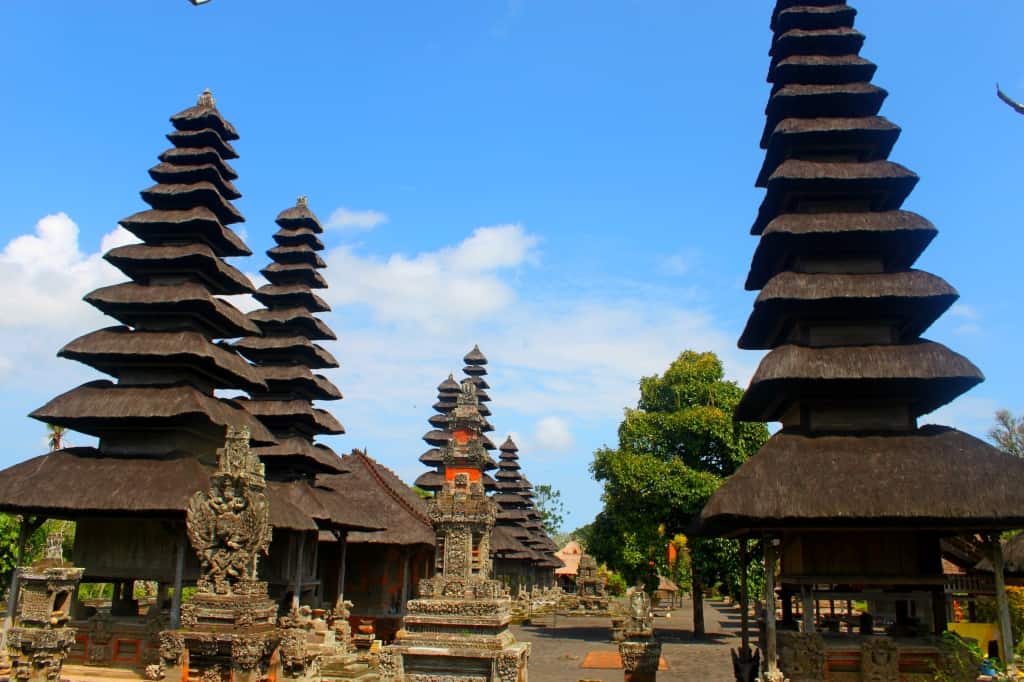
458 626
852 493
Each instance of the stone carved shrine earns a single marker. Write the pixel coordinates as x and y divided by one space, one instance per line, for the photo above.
228 627
639 650
457 628
590 586
39 640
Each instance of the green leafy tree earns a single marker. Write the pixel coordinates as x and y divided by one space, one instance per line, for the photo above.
675 449
549 504
56 437
1008 433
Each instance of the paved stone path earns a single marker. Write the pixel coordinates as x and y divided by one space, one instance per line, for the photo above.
559 647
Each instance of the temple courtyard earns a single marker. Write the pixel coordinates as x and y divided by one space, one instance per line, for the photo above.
561 644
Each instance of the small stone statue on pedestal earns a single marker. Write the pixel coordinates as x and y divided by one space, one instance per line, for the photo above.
640 651
228 627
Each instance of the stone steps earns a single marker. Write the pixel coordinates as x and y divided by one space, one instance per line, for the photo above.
92 673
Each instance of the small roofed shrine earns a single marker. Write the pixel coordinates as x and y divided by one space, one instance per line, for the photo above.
39 639
302 567
457 627
852 495
381 569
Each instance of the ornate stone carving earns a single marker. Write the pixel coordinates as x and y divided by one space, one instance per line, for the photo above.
801 656
39 640
509 664
229 524
172 646
640 656
228 624
879 660
388 664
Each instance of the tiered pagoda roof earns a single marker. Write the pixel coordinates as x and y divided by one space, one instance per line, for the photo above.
285 353
518 531
160 424
438 435
163 357
841 311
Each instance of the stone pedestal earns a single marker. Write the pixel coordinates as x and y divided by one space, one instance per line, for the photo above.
223 637
640 659
463 637
39 639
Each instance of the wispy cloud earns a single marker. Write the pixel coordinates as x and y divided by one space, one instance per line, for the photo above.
552 433
355 221
435 289
970 319
678 264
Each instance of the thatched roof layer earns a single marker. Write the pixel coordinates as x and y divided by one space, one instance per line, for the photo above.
100 406
290 296
317 458
299 217
913 298
832 16
896 237
284 349
932 478
187 302
204 115
926 374
116 349
144 261
396 506
196 223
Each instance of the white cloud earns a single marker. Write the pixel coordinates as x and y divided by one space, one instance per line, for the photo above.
969 317
434 289
964 311
46 274
357 221
552 433
678 263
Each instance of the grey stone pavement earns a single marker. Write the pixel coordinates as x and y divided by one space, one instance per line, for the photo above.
559 648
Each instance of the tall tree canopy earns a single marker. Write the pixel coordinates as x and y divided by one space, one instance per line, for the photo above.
549 504
674 450
1008 433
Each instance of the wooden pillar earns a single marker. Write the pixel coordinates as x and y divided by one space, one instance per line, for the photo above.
771 555
343 539
807 608
744 597
1002 603
297 585
406 578
179 570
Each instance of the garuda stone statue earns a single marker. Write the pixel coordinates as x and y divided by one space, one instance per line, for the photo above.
229 524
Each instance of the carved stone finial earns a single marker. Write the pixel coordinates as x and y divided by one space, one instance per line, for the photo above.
301 201
206 100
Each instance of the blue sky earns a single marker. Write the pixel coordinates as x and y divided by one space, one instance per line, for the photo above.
568 184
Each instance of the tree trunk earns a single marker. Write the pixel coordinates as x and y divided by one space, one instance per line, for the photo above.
698 606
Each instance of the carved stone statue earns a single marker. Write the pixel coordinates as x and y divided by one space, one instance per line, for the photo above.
228 624
640 621
229 525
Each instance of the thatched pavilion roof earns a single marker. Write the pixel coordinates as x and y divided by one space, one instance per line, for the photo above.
934 478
